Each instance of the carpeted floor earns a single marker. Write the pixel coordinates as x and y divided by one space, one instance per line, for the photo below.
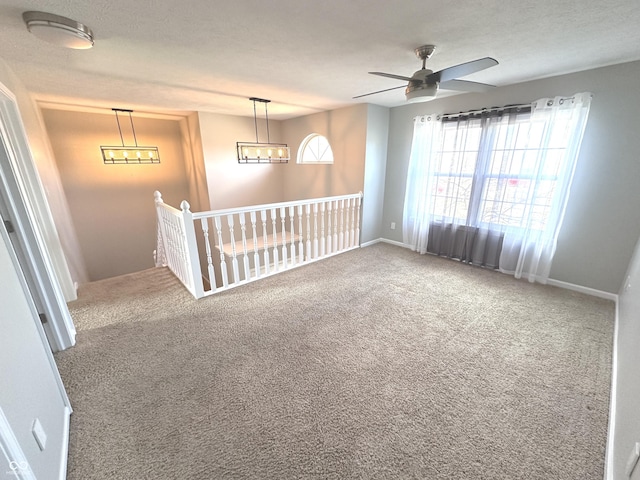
375 364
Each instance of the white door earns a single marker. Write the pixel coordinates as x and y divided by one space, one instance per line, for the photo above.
34 407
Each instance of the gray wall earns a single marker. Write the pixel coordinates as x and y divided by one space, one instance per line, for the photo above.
374 172
602 221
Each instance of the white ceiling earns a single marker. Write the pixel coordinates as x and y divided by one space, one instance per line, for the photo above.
304 55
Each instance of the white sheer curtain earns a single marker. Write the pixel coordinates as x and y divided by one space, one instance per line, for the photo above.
491 187
559 124
424 153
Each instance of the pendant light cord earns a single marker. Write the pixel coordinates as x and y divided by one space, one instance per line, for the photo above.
133 130
119 129
266 116
255 120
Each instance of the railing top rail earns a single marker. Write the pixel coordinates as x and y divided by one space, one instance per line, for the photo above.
267 206
169 208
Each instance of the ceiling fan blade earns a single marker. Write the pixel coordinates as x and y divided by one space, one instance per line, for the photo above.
462 70
391 75
466 86
380 91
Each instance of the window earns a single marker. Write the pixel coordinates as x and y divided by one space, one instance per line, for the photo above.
498 171
315 149
496 178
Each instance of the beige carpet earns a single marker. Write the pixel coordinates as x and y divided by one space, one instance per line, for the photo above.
375 364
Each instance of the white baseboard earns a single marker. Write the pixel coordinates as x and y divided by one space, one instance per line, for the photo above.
609 454
586 290
370 242
65 444
556 283
385 240
394 242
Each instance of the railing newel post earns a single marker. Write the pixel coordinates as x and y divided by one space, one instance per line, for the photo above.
160 253
193 258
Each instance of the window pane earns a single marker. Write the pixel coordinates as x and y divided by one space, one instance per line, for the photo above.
451 196
504 201
315 149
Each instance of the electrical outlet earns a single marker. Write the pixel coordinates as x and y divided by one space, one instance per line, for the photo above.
393 225
39 435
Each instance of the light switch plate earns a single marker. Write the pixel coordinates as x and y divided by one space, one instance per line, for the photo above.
38 434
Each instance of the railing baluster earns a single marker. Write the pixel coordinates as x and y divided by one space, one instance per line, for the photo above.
245 253
358 200
207 246
335 227
300 247
315 230
341 233
322 234
329 243
285 253
352 241
274 232
346 224
223 262
234 257
308 215
265 236
293 236
256 256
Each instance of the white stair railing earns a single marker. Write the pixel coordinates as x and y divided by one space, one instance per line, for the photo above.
220 249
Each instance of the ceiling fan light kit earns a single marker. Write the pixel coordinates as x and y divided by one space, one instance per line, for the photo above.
424 84
58 30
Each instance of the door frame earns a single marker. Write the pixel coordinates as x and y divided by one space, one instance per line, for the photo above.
17 180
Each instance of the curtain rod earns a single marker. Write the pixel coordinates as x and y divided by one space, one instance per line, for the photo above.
485 110
494 109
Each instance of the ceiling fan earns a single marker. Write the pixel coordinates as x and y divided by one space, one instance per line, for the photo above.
424 84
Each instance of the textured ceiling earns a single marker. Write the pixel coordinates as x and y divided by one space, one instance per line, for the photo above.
304 55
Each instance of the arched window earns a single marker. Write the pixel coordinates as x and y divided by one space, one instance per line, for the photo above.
315 149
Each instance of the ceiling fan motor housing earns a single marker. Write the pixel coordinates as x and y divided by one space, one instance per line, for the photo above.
419 90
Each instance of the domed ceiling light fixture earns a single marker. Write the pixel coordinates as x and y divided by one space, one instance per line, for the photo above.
59 30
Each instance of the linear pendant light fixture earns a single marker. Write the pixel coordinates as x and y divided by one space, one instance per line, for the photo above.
258 152
129 154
